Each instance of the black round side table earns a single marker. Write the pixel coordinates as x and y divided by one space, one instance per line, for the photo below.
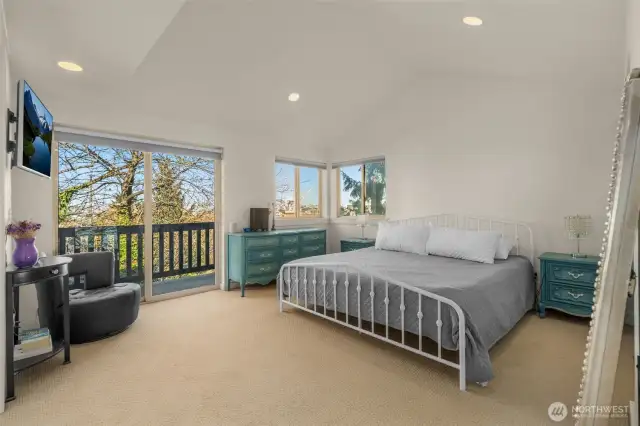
51 277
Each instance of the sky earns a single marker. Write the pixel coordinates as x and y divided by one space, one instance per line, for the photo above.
285 174
353 172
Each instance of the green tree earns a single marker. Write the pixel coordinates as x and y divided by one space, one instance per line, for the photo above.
105 186
375 190
168 196
127 204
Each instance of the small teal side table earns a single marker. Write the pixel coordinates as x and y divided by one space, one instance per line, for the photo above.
351 244
567 283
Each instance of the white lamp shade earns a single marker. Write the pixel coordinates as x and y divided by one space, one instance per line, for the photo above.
361 219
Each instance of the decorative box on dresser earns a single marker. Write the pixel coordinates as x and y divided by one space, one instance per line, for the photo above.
567 283
351 244
256 257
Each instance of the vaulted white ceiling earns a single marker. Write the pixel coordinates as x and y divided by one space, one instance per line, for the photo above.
233 63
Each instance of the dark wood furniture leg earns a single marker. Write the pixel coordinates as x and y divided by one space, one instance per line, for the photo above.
16 318
66 314
9 330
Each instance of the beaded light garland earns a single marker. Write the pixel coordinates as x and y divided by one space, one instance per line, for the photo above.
610 199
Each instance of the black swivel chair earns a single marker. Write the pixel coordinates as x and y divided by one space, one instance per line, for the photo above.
99 307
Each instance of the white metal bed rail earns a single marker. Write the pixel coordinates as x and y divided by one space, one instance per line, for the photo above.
294 299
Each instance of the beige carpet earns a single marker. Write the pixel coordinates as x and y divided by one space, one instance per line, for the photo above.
217 359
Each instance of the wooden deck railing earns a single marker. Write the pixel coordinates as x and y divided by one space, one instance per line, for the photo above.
177 248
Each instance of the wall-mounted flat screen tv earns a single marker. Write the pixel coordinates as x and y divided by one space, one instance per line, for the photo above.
35 132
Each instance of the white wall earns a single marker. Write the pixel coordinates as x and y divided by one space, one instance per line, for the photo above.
32 198
633 33
5 178
515 149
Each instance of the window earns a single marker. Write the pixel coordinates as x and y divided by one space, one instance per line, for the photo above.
298 191
355 198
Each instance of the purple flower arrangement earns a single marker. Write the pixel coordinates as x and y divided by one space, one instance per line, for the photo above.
24 229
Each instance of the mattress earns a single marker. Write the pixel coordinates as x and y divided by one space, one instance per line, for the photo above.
493 297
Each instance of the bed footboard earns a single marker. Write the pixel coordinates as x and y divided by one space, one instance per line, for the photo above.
331 281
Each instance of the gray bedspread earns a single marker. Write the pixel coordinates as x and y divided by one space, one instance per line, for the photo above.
493 297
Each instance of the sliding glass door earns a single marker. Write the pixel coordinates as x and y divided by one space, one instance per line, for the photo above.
154 210
183 223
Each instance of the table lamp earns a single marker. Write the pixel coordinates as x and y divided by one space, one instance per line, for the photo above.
578 227
361 221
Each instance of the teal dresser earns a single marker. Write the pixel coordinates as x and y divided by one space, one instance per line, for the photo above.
567 283
256 257
352 244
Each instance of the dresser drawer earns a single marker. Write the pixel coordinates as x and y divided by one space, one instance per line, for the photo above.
312 250
349 247
570 273
261 269
289 240
289 252
255 256
573 295
263 242
312 237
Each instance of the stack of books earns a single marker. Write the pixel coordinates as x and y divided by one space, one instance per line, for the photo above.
32 343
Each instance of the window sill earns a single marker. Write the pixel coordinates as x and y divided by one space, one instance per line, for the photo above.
352 220
297 222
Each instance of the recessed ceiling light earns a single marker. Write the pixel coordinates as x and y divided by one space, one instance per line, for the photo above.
293 97
70 66
473 21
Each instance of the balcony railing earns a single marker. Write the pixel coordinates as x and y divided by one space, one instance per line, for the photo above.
178 249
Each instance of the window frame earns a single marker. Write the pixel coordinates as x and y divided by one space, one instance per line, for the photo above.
363 196
296 193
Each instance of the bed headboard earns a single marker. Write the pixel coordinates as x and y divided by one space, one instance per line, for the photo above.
519 231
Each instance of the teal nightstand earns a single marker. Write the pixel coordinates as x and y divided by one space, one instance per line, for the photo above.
567 283
351 244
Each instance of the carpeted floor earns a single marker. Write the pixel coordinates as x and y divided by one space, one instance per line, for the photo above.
217 359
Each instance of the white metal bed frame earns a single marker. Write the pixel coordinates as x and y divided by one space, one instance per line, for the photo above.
516 230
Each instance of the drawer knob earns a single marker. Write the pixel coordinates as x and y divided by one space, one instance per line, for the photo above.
55 271
265 255
575 296
574 275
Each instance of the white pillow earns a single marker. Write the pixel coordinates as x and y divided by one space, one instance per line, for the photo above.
397 236
505 245
477 246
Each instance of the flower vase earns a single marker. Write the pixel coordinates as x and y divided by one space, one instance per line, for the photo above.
25 254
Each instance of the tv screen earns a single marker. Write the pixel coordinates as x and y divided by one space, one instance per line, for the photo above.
35 132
